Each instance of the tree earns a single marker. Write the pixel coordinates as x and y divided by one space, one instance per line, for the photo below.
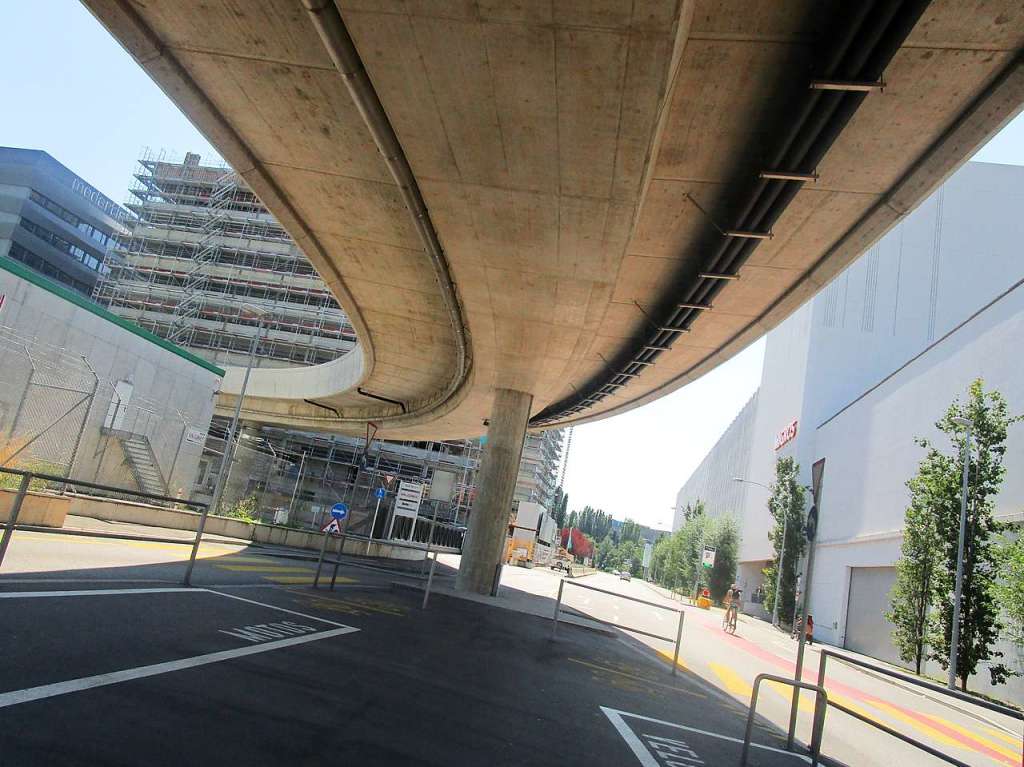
1010 588
786 505
724 535
562 511
696 509
940 474
630 531
914 591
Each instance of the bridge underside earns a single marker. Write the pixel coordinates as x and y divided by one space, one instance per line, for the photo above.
579 167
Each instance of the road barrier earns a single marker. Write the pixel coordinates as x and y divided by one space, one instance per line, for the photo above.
27 477
956 694
679 628
819 713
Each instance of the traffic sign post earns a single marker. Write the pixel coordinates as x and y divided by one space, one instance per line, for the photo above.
707 558
339 511
380 492
331 528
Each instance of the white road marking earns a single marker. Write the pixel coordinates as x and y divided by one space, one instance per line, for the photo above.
280 609
95 593
17 697
616 718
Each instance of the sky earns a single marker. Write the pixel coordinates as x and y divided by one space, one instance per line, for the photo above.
70 90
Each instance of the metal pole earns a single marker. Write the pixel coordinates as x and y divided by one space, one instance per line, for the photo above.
13 519
679 637
798 672
229 452
298 478
373 526
558 608
320 561
177 452
85 421
24 393
430 580
337 561
954 645
778 575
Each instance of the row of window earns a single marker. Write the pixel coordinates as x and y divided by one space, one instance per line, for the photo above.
79 254
60 211
33 261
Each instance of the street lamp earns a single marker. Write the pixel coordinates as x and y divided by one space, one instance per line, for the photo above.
229 443
782 552
954 645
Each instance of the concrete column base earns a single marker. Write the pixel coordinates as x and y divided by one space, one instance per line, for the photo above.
499 469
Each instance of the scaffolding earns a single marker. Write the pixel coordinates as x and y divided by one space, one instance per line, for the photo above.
199 246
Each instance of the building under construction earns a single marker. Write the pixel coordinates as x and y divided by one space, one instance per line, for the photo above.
200 248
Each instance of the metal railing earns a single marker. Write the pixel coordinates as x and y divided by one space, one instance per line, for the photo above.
27 477
679 627
819 713
956 694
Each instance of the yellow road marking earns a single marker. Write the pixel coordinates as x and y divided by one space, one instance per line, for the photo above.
732 681
981 739
294 579
267 568
1004 736
931 732
637 678
785 692
668 656
843 700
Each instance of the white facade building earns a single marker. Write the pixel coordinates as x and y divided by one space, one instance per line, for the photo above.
863 370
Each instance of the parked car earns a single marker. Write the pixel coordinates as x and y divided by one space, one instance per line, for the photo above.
615 573
625 576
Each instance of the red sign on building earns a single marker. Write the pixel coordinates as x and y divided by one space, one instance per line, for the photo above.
786 436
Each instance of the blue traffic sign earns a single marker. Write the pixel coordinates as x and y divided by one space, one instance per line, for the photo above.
380 492
339 511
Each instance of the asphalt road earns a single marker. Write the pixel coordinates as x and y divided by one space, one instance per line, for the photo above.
730 663
108 661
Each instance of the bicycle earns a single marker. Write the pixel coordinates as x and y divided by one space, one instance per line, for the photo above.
729 619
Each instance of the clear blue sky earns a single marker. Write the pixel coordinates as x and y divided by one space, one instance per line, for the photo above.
70 89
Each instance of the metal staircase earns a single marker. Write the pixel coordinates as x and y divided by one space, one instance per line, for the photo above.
142 462
207 249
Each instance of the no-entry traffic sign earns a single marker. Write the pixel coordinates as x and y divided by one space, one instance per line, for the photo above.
339 511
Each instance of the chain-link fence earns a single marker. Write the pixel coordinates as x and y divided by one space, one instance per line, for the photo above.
46 396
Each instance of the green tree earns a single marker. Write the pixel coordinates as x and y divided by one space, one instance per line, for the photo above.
914 591
724 535
786 505
562 511
941 473
630 531
1010 587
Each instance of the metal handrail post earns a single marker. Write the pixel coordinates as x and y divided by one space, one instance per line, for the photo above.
13 519
320 561
430 581
819 719
679 638
558 607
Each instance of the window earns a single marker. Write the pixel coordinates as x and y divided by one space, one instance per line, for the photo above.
33 261
61 212
80 254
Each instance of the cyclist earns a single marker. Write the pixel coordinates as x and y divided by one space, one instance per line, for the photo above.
732 602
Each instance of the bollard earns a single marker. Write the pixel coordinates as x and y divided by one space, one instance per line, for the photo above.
320 561
430 580
679 637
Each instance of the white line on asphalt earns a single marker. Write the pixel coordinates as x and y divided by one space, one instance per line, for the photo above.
93 593
612 714
281 609
638 748
4 581
102 680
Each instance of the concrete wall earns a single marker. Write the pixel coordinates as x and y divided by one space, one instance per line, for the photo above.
172 391
40 509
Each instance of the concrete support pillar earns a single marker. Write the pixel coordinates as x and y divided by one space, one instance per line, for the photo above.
496 484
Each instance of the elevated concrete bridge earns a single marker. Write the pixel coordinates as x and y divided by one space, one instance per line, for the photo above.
568 208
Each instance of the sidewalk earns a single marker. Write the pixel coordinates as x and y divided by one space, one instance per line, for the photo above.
762 631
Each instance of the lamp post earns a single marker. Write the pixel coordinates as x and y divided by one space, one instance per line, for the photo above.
954 645
229 443
782 551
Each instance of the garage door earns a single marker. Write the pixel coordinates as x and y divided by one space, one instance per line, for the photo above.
867 630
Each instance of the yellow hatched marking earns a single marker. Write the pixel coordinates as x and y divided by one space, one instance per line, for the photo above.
732 681
997 747
294 579
668 656
931 732
843 700
267 568
1003 736
785 692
